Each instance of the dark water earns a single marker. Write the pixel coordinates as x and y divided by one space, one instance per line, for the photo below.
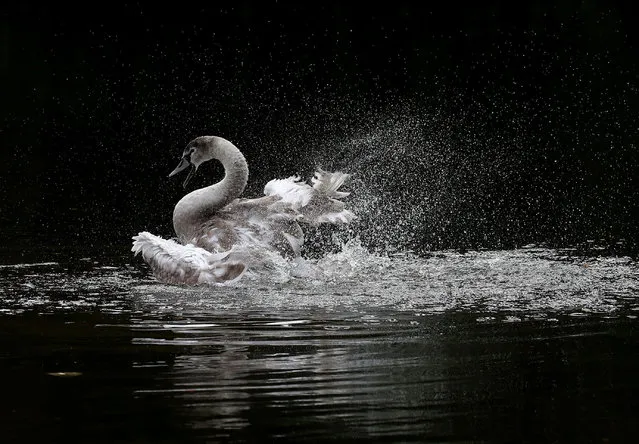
515 346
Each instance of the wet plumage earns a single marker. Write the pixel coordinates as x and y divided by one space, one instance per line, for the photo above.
220 235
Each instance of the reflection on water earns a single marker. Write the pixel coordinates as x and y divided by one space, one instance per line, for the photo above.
526 346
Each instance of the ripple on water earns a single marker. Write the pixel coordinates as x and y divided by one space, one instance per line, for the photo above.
381 346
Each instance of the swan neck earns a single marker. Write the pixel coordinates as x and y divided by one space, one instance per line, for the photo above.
199 206
235 171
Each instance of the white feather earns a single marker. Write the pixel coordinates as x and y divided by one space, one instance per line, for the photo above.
291 190
175 263
328 183
318 204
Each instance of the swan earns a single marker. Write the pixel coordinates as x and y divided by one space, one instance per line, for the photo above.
219 236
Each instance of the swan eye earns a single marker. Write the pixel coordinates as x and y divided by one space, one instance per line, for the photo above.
189 152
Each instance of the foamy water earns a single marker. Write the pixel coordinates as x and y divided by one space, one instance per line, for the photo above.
509 285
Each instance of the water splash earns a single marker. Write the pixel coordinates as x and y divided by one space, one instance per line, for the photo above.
457 172
506 285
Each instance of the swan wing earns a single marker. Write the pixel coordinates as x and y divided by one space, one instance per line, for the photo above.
320 203
291 190
327 183
264 222
174 263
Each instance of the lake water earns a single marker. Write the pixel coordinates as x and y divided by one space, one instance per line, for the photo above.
527 345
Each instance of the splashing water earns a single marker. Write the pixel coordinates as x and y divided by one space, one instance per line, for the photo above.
362 332
419 182
459 175
514 284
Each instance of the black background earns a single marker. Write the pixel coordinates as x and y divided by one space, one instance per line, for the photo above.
491 125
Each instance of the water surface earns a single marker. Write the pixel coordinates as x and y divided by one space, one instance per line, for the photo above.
528 345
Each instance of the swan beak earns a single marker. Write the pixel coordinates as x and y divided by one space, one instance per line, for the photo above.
188 177
184 164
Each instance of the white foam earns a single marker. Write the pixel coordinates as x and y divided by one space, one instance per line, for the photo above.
39 264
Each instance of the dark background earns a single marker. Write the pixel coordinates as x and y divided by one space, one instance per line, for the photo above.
492 125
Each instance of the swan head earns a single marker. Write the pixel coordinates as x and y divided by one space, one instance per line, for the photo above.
198 151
